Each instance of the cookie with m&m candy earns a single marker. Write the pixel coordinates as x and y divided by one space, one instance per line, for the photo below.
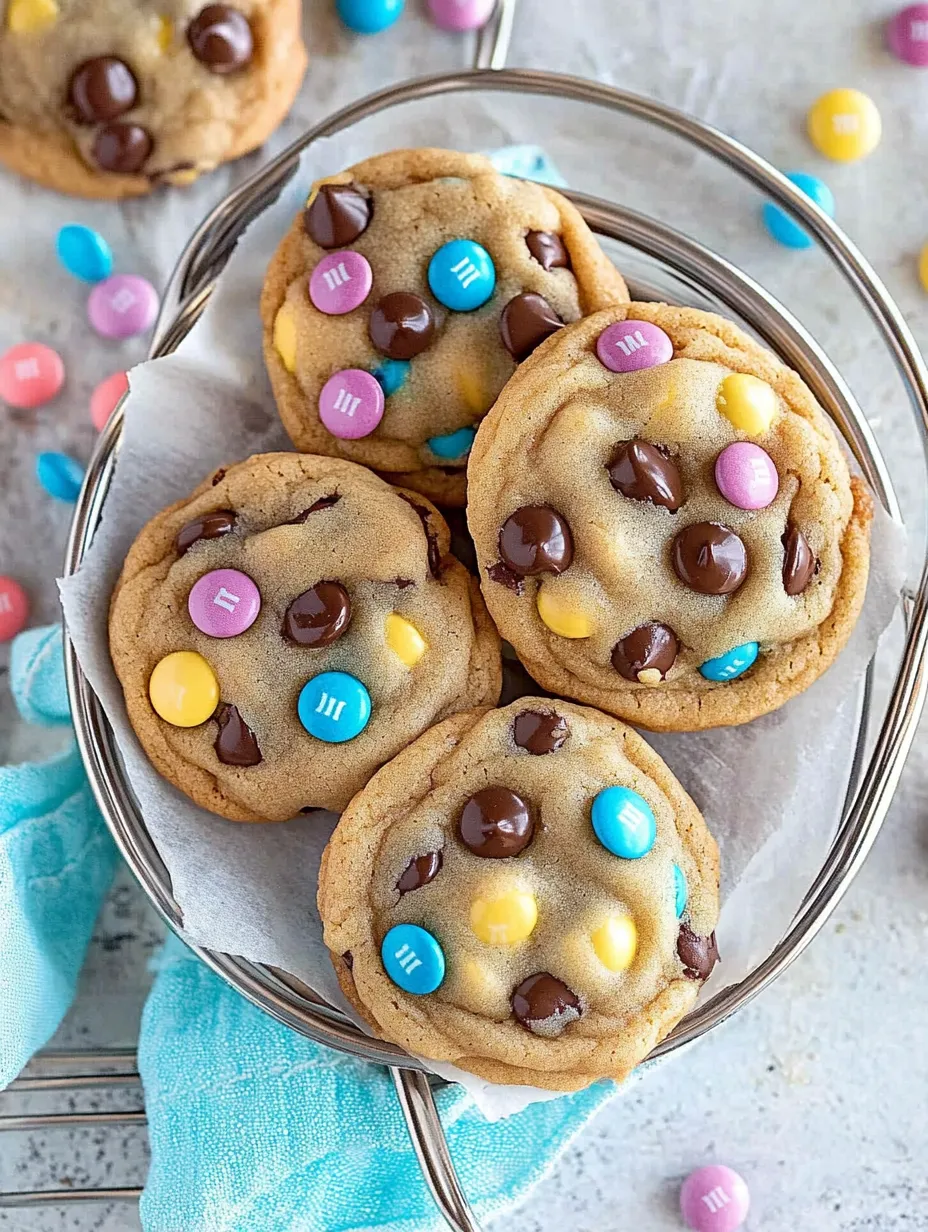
290 627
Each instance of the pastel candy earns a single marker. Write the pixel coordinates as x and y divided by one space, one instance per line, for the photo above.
561 616
31 16
183 689
454 445
747 402
404 639
334 707
31 374
391 374
629 346
369 16
413 959
506 919
623 821
784 229
746 476
462 275
224 603
907 35
351 404
60 475
844 125
340 282
923 267
714 1199
460 15
122 306
616 942
84 253
731 664
14 608
105 398
285 337
679 890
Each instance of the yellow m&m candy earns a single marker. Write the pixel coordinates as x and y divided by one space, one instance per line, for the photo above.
844 125
285 337
616 942
183 689
747 402
404 639
562 616
923 267
504 920
30 16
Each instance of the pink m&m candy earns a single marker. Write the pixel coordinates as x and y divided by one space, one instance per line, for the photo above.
104 398
224 603
628 346
907 35
30 375
122 306
14 608
340 282
746 476
714 1199
461 14
351 404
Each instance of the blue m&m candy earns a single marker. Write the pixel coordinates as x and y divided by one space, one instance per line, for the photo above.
679 890
59 475
369 16
731 664
784 229
84 253
413 959
462 275
624 822
454 445
334 707
391 375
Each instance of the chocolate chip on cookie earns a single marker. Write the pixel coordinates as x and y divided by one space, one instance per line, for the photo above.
401 325
642 472
536 539
102 89
527 321
121 147
319 616
548 250
337 215
221 38
710 558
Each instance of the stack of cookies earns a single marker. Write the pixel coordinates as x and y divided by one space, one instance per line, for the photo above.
663 529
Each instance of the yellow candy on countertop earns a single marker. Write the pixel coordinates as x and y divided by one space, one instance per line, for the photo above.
844 125
504 920
747 402
285 337
404 639
183 689
31 16
562 616
616 942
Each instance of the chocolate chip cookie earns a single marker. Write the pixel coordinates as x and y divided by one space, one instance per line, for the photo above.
290 627
107 98
404 297
527 892
664 520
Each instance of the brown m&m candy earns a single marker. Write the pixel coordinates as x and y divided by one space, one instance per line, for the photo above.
642 472
319 616
102 89
536 539
236 744
545 1005
548 250
122 147
221 39
539 731
652 647
709 558
798 561
401 325
527 320
337 215
420 872
698 954
209 526
495 823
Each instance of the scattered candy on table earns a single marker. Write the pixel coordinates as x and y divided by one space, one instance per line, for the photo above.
746 475
183 689
461 15
907 35
84 253
60 475
784 229
413 959
105 397
369 16
122 306
31 374
624 822
334 707
844 125
714 1199
14 608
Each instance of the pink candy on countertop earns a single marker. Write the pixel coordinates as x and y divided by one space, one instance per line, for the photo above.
629 346
122 306
14 608
104 398
907 35
224 603
351 404
340 282
746 476
714 1199
461 14
31 374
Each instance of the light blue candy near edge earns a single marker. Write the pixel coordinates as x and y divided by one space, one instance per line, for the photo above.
782 227
731 664
454 445
59 475
369 16
413 959
462 275
334 707
679 890
84 253
624 822
391 375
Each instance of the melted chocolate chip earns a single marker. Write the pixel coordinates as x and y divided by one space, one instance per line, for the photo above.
710 558
122 148
545 1005
698 954
324 502
526 321
102 89
539 731
548 250
319 616
799 565
219 476
536 539
403 583
505 577
401 325
495 823
650 647
433 550
209 526
236 744
642 472
221 39
348 960
420 872
338 215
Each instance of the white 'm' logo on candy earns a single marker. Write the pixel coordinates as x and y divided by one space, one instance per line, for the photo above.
716 1198
5 604
918 31
632 817
632 342
346 402
26 369
466 272
846 123
407 959
330 707
226 600
337 277
122 301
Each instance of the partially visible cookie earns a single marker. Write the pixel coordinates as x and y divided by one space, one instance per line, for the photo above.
403 298
527 893
664 521
288 628
107 98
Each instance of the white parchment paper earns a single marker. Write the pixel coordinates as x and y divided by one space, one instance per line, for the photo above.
771 791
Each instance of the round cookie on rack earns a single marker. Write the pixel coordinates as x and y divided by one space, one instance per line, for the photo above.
527 893
403 298
108 98
290 627
681 545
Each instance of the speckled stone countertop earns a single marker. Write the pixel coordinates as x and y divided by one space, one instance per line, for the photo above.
815 1091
